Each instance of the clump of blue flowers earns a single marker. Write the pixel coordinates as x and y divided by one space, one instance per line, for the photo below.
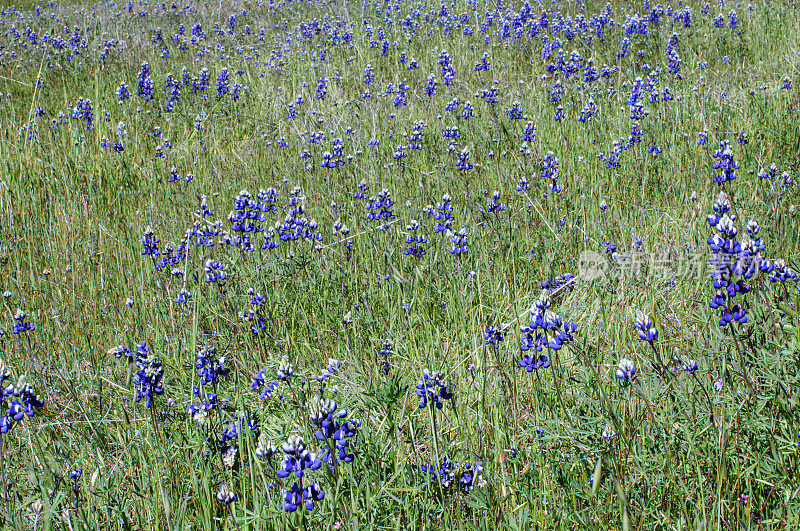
148 378
297 460
149 374
23 401
546 330
20 324
449 474
493 336
626 371
432 390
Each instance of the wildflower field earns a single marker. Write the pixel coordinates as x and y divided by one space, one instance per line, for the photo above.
397 264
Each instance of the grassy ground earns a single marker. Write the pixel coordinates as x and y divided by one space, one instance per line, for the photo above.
565 446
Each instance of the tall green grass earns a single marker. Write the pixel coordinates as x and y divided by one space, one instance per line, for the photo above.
73 214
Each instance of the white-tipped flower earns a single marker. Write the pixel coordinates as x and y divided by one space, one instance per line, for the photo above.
265 448
293 444
229 458
626 370
225 494
285 368
543 302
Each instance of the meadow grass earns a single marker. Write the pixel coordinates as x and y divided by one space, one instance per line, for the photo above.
570 445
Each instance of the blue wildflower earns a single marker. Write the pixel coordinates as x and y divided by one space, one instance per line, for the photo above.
148 376
432 390
493 336
20 325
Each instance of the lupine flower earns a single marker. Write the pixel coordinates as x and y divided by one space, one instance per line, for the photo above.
225 495
200 412
145 83
483 64
688 365
223 83
448 73
647 332
730 259
459 241
148 377
550 171
297 460
209 367
673 60
432 390
121 351
742 138
23 403
445 472
468 111
385 351
779 271
369 74
183 296
123 93
293 498
313 493
546 330
379 208
363 188
514 112
588 112
451 132
493 336
214 271
472 476
626 370
265 449
452 104
494 205
416 135
726 163
463 163
430 86
333 430
635 135
733 19
322 88
332 368
529 133
490 95
150 242
399 153
414 241
20 325
401 96
637 110
285 369
259 385
84 111
76 485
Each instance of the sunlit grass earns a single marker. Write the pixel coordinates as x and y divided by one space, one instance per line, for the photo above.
685 447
